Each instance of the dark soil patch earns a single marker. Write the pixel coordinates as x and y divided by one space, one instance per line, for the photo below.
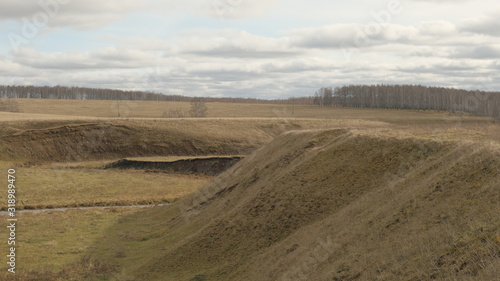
207 166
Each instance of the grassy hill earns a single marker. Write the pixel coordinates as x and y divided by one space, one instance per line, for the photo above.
322 194
341 204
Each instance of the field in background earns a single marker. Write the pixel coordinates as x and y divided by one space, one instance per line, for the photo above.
155 109
82 109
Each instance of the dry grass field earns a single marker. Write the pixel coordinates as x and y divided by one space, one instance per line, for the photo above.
54 188
155 109
47 109
50 240
329 205
322 194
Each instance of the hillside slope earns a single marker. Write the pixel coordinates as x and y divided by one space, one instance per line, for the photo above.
65 141
327 205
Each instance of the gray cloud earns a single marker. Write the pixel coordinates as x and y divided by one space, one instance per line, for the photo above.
213 61
92 14
487 25
108 58
242 52
367 35
448 68
50 14
231 43
480 52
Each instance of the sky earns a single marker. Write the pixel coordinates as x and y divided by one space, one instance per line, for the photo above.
249 48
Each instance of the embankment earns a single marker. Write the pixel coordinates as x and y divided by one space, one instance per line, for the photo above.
327 205
73 141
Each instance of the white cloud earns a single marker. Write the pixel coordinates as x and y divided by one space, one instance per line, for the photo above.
437 28
329 36
237 9
300 65
442 1
180 47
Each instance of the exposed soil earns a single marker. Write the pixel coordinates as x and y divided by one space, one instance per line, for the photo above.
208 166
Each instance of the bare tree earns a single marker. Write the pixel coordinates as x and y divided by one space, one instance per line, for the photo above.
198 108
9 105
417 97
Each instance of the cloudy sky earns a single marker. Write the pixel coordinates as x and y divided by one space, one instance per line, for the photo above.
249 48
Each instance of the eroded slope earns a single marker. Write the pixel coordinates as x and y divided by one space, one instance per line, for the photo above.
327 205
67 141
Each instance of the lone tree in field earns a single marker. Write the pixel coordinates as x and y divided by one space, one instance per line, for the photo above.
198 108
9 105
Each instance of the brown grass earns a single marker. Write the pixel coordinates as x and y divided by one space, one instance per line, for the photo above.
83 141
331 205
82 109
54 188
47 242
385 195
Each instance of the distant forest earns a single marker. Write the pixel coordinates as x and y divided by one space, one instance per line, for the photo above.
414 97
80 93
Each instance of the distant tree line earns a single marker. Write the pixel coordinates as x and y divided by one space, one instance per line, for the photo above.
415 97
80 93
